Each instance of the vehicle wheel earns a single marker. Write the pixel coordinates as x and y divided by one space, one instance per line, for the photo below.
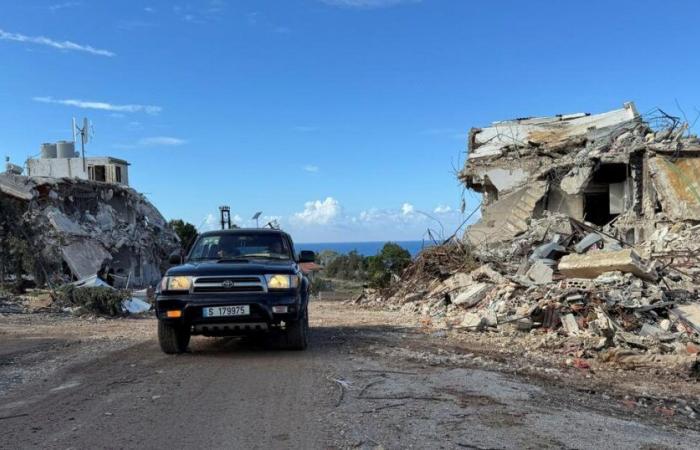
296 336
173 338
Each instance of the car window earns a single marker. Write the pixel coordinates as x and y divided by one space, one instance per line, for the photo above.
239 245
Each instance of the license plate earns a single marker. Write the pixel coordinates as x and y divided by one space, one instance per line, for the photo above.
226 311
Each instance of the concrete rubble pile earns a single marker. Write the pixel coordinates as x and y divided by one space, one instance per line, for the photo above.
589 230
80 229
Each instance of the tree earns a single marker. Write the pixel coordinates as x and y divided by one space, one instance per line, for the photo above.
390 261
185 231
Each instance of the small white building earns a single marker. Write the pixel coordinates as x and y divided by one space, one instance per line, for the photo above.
60 160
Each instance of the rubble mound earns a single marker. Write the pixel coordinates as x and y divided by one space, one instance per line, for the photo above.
78 228
589 230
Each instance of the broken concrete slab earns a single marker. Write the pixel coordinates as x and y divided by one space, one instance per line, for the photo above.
472 320
576 180
16 186
689 314
472 295
545 251
540 273
593 265
63 224
84 257
569 324
502 136
677 185
508 216
587 242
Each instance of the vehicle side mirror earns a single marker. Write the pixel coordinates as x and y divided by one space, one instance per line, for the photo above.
306 256
175 258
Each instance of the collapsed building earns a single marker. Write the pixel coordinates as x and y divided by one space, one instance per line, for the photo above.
85 225
589 229
607 169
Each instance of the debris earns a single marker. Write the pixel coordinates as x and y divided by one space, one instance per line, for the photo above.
588 237
632 360
568 323
595 264
540 273
135 306
473 294
78 228
689 314
587 242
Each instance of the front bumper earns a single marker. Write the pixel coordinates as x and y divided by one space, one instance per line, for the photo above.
261 317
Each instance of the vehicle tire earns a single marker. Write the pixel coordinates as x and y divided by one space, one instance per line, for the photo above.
296 336
173 338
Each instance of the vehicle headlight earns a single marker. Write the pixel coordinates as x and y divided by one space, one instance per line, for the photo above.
282 281
176 284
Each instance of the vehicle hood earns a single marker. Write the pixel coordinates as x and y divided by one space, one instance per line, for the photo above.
253 267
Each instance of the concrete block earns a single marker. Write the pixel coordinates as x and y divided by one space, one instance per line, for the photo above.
595 264
540 273
473 294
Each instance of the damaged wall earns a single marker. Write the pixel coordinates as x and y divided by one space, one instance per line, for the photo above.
611 170
89 227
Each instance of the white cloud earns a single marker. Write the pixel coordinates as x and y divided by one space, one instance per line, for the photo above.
159 141
103 106
156 141
368 4
149 9
319 212
61 45
442 209
210 223
65 5
407 209
311 168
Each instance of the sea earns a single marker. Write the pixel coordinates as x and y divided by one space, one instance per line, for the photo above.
363 248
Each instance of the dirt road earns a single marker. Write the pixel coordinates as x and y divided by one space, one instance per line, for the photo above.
365 382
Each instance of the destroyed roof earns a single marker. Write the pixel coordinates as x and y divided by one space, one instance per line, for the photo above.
494 140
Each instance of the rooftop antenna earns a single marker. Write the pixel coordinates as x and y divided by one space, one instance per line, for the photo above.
85 134
256 218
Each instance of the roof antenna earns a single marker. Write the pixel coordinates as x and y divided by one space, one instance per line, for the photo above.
256 218
85 135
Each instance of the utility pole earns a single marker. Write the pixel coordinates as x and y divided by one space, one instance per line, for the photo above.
225 217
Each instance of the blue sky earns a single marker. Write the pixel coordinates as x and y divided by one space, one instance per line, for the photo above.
343 119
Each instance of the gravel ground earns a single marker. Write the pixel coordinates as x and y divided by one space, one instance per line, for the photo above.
370 379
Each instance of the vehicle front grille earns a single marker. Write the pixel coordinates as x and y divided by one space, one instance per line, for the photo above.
240 284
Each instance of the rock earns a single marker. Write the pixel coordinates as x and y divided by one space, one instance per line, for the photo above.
472 320
472 295
540 273
665 325
569 324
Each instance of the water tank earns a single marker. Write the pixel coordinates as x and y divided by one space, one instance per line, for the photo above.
65 149
48 151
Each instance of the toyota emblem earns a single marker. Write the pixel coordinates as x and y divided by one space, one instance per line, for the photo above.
228 284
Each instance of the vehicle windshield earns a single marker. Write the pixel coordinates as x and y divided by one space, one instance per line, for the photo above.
241 246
